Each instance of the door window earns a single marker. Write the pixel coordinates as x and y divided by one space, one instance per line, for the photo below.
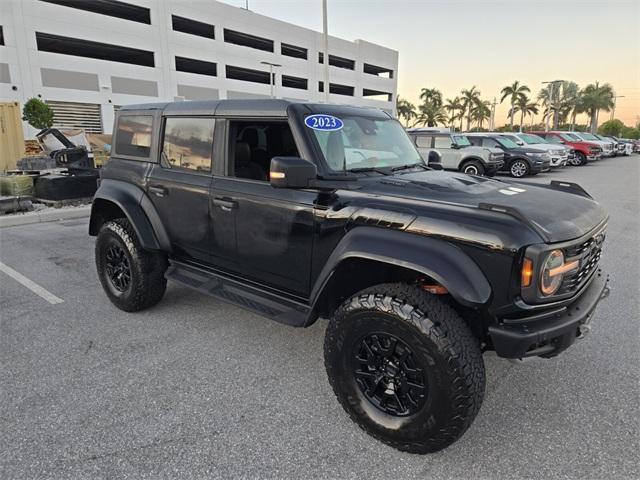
254 144
490 143
188 143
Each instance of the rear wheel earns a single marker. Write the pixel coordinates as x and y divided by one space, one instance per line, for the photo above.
472 167
579 159
132 278
405 367
519 168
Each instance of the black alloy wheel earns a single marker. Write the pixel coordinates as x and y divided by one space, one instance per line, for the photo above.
388 374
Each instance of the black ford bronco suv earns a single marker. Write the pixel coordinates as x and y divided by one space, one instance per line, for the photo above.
299 211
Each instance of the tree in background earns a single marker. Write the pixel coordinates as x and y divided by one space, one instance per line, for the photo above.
37 114
406 110
513 92
480 112
611 127
431 110
525 106
596 97
470 98
453 107
570 103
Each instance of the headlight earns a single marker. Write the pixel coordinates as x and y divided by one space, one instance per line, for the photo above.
550 278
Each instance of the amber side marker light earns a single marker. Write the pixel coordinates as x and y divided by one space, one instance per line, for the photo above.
527 273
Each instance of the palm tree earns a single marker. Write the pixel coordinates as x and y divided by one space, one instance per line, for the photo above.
596 97
470 97
406 110
545 98
431 96
526 107
453 106
431 110
570 102
513 92
480 112
431 115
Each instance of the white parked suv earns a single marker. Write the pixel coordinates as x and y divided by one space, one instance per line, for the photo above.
608 148
559 154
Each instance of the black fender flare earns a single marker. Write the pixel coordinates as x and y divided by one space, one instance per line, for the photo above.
438 259
138 209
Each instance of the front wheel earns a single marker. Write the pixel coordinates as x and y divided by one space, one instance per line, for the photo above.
579 159
519 168
405 367
132 278
473 167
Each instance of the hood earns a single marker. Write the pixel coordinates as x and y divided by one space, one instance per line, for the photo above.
523 150
546 147
555 214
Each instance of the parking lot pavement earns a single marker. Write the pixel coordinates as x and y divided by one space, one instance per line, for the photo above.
197 388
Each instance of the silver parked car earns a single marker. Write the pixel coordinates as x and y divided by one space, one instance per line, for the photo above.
559 154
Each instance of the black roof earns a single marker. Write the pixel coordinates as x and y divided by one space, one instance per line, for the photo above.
259 108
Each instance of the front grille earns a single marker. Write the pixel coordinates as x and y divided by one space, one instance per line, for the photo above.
588 254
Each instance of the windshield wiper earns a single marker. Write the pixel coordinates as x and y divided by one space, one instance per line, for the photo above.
370 169
411 165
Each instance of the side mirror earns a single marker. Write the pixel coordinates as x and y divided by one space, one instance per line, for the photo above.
291 172
454 145
435 160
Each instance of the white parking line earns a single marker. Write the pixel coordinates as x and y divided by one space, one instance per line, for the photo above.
33 286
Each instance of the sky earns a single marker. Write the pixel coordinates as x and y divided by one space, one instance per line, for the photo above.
455 44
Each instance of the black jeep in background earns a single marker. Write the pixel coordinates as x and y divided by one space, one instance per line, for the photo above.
305 211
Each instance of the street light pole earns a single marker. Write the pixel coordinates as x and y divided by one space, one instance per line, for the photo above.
613 110
271 79
325 47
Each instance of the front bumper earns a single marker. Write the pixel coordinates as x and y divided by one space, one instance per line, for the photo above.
594 157
547 334
493 167
559 161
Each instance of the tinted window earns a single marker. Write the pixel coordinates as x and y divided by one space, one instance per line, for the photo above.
490 143
188 143
254 144
443 142
423 141
133 135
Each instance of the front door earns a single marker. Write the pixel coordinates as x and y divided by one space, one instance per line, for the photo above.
274 228
450 156
179 185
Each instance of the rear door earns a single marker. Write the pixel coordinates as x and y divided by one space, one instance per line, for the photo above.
179 185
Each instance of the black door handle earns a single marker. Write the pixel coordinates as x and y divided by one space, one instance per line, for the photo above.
225 203
158 190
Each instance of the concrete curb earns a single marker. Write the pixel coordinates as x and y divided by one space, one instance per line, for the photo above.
50 215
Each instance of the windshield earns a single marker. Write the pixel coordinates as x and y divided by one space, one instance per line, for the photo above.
507 143
570 138
461 140
532 139
588 136
367 143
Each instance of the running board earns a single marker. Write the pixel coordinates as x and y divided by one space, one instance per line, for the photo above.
250 298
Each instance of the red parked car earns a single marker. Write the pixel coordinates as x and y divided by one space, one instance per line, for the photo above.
585 151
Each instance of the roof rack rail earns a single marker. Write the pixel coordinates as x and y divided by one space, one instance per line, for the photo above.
515 213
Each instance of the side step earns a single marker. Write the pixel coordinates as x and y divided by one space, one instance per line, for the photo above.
274 307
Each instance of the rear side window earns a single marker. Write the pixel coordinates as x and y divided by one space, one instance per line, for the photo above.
423 141
133 135
188 143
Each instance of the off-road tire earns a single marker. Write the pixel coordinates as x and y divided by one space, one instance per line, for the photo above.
519 168
472 167
581 159
147 282
444 348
